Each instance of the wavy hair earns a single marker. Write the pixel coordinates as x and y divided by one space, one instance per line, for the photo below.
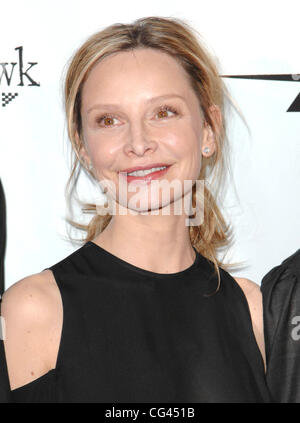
177 38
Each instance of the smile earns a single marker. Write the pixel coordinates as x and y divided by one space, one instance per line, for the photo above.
146 175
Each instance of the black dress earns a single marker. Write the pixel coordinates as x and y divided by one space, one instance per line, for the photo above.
131 335
281 304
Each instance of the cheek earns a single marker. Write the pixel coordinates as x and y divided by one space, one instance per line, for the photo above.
185 143
187 147
101 152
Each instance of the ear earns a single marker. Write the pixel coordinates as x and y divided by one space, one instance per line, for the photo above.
209 137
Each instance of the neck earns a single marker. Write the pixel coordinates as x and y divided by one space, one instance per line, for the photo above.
158 243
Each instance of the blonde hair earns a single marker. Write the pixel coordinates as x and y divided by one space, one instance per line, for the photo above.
177 38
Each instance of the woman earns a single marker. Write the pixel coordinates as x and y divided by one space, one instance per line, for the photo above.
143 311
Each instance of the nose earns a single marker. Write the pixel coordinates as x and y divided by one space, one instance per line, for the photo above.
139 139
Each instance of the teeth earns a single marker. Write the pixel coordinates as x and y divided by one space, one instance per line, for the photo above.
145 172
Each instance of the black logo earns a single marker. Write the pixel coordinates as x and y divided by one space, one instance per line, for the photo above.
16 74
295 77
6 98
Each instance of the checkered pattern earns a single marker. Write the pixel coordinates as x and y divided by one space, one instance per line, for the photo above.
6 98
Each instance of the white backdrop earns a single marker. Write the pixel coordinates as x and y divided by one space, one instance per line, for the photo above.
246 37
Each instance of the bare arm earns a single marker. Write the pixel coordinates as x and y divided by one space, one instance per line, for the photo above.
32 316
254 298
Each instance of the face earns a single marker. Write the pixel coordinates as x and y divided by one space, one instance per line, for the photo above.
138 109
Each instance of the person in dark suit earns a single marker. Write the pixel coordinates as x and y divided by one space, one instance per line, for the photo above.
4 381
281 311
2 236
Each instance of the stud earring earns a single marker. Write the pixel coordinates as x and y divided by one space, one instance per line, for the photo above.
206 150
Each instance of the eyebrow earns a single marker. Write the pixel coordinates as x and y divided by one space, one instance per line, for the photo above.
150 100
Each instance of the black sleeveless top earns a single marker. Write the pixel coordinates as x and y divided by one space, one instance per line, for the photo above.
132 335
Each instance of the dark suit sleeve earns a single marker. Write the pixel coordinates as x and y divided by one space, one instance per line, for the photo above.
2 236
280 289
4 381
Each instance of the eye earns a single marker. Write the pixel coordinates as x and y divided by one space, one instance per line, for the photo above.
163 111
108 120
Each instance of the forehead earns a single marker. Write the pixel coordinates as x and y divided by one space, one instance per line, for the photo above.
143 72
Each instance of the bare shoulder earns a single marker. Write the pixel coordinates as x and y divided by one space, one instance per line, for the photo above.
250 288
32 312
254 298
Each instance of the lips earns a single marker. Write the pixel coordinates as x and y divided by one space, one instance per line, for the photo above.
146 179
145 167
